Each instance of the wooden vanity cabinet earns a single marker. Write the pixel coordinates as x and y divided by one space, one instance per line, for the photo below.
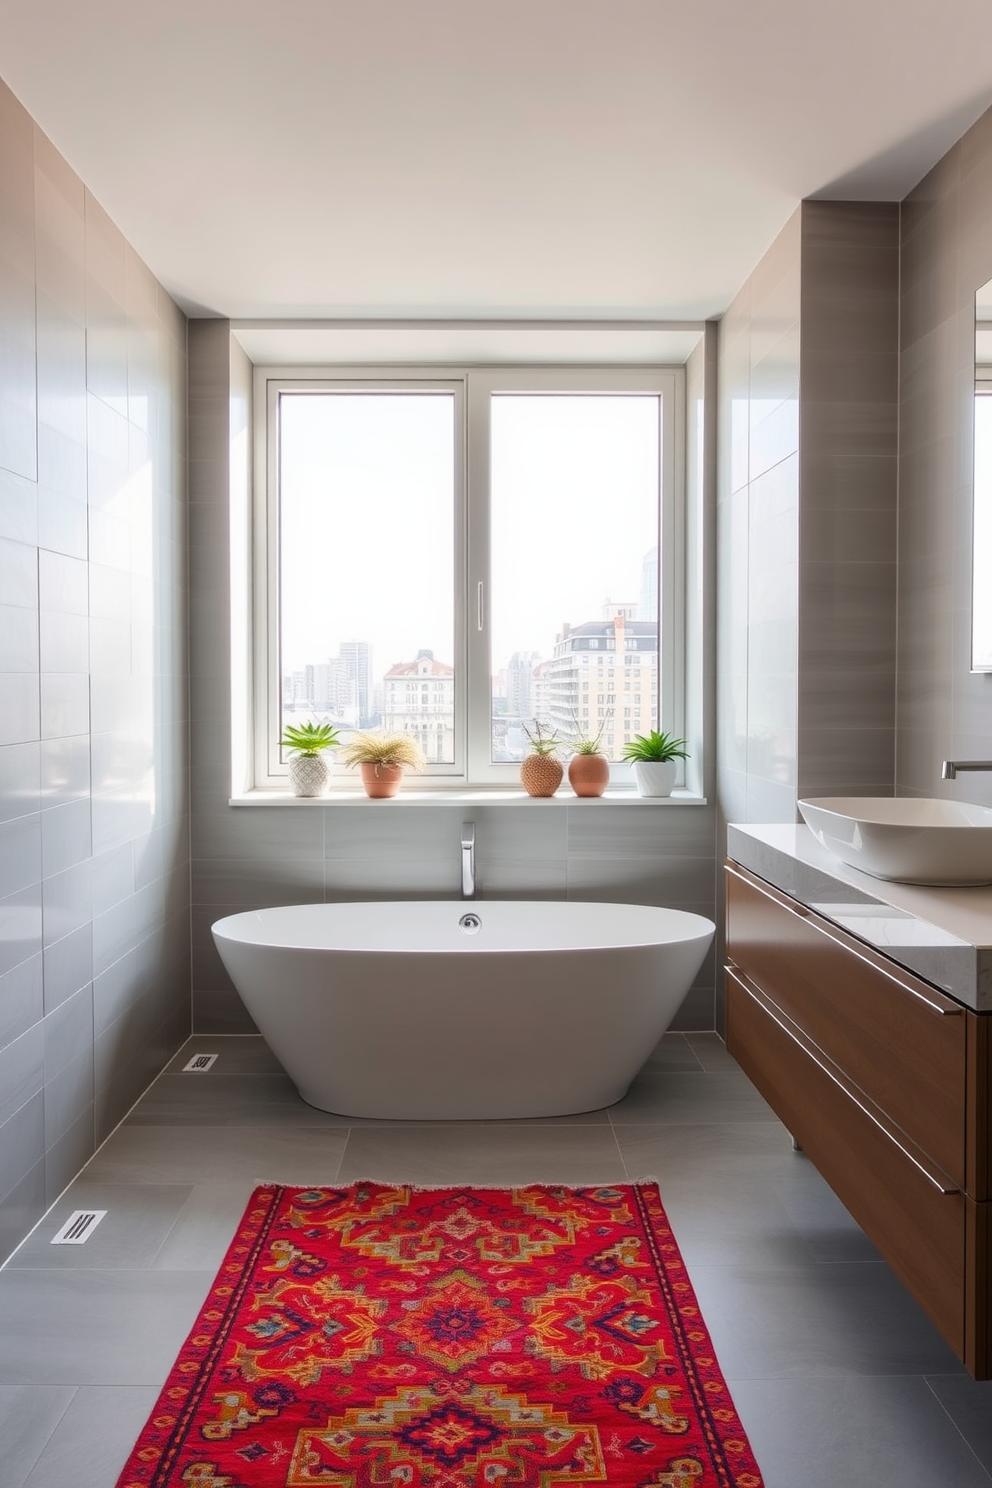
884 1081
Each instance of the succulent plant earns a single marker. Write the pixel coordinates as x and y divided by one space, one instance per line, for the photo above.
654 746
309 739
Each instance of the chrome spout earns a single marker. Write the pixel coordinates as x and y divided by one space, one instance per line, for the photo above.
468 860
949 769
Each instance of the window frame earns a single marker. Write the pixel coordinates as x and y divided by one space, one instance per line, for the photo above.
473 387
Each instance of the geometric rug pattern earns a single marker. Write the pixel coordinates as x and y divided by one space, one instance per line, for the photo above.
383 1336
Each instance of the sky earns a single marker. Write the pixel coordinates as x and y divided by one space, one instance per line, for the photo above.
367 530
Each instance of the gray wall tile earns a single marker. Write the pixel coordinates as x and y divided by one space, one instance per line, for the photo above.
21 999
72 314
806 545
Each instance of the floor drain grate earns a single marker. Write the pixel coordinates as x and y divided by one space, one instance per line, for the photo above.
198 1064
78 1227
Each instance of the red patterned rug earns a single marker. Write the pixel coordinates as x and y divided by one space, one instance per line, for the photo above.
447 1338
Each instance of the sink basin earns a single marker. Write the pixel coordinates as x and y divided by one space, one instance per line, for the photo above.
906 840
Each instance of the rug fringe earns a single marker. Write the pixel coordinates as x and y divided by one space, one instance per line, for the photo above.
454 1183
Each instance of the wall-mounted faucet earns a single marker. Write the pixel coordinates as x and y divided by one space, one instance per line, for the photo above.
949 769
468 860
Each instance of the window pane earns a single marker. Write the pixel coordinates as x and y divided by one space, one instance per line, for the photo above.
366 543
575 524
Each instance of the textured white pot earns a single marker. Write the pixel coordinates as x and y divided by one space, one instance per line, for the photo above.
308 775
654 777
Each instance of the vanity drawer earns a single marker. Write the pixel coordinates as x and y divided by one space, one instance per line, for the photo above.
915 1216
893 1036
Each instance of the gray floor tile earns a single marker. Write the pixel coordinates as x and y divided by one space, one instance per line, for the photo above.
817 1320
681 1096
969 1405
485 1153
262 1099
28 1416
95 1327
711 1051
704 1158
860 1433
673 1051
139 1217
237 1054
94 1438
839 1377
817 1212
204 1228
215 1099
219 1154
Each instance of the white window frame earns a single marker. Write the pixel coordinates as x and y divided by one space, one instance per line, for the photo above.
473 388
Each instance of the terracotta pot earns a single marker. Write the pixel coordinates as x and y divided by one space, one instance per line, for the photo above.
588 774
540 774
381 781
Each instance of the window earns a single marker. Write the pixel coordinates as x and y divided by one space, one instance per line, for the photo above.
438 553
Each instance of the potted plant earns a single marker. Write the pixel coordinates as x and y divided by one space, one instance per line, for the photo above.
653 756
540 771
589 769
306 742
382 757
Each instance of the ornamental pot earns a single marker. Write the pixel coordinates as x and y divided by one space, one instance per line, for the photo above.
308 775
540 774
381 781
654 777
588 774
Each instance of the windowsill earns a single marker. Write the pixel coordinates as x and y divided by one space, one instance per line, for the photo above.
462 797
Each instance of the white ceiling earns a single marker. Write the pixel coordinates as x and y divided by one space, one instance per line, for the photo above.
450 158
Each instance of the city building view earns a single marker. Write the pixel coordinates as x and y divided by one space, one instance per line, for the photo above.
597 678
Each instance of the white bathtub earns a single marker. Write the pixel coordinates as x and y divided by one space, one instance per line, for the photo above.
395 1010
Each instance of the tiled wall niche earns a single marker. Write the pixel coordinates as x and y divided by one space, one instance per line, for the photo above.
94 872
244 857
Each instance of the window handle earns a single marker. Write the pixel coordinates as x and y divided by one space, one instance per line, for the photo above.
482 607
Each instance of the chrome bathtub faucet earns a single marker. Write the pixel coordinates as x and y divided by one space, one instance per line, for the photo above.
949 769
468 860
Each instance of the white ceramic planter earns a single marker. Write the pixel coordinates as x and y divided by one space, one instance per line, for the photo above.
654 777
308 775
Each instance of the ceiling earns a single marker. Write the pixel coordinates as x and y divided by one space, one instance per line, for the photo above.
570 159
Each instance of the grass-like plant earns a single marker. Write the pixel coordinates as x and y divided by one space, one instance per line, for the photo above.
579 744
543 739
381 747
654 747
309 739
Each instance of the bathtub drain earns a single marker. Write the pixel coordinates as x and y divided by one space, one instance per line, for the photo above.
470 924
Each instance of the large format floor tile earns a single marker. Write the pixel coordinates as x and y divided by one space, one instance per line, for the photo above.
94 1437
483 1153
879 1432
129 1235
838 1375
220 1154
29 1414
95 1327
817 1320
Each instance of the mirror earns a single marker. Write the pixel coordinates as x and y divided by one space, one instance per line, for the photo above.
981 543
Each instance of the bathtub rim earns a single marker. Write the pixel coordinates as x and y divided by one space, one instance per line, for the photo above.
695 926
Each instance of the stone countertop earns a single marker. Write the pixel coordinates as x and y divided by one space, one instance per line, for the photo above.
942 934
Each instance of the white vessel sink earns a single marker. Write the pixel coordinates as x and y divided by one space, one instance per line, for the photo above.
908 841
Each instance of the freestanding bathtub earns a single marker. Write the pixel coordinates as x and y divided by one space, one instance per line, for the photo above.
464 1010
